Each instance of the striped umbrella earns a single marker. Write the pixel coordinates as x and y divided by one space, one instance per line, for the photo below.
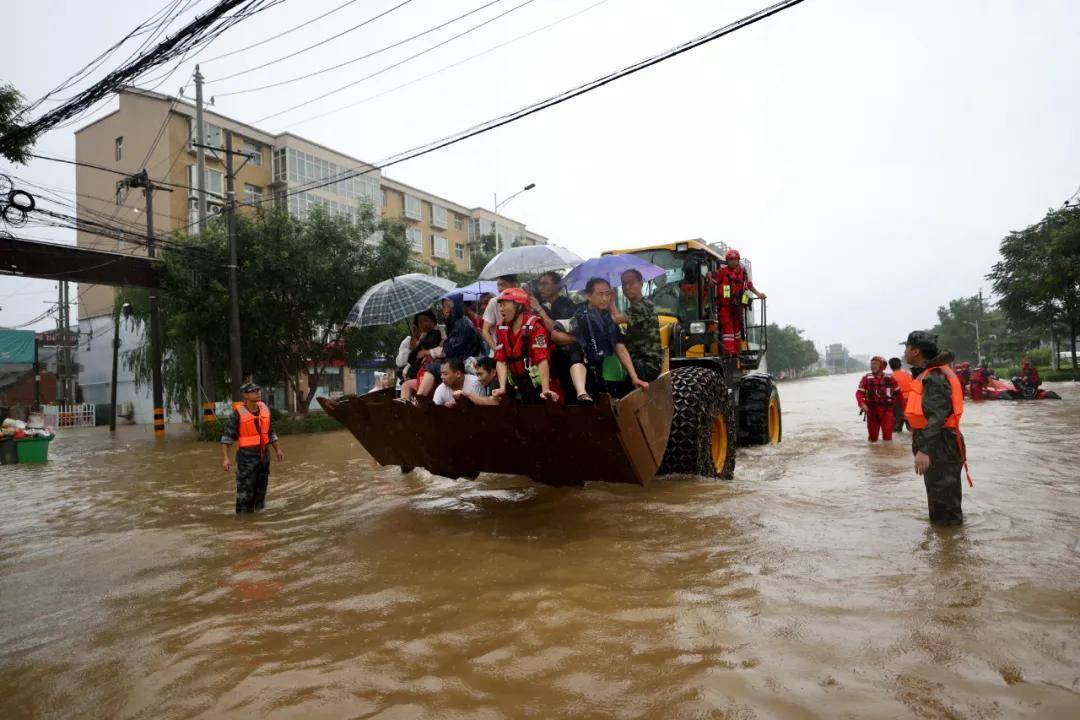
398 298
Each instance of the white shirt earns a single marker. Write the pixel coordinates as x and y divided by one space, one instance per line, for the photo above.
403 352
444 395
492 314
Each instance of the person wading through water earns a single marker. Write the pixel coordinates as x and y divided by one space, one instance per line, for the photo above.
902 378
249 428
876 397
934 406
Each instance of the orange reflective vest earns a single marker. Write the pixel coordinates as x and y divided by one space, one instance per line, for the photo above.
914 413
254 430
913 410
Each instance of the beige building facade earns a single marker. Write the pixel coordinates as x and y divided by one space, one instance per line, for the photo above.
154 131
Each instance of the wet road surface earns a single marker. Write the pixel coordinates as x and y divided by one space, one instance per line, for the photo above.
810 586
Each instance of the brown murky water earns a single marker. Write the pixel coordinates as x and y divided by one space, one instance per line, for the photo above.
810 586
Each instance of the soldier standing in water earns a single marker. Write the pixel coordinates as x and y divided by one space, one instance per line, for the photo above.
249 428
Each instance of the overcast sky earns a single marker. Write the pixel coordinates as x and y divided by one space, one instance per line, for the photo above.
868 156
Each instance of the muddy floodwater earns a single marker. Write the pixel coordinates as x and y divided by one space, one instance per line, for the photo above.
809 586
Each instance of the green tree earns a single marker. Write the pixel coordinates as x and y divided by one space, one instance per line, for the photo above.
11 117
789 351
298 280
1038 276
956 330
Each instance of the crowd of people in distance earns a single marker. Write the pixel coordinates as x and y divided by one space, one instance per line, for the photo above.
532 345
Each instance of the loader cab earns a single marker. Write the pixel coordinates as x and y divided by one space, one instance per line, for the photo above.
684 300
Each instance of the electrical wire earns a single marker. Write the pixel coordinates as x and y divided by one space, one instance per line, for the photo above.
203 29
96 62
398 63
554 100
353 60
443 69
280 34
315 45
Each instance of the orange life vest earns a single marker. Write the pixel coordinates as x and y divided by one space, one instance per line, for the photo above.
913 410
914 413
903 381
254 430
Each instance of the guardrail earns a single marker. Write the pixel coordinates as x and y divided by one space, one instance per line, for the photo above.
69 416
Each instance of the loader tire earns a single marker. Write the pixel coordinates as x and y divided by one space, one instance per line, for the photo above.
760 421
703 430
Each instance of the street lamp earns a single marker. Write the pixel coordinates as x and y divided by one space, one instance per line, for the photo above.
498 204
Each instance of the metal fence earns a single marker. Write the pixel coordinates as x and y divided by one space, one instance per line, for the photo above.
69 416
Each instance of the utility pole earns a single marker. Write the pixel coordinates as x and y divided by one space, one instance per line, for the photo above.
142 179
200 190
115 362
235 361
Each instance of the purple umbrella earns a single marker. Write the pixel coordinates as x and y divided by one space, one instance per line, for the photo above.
610 268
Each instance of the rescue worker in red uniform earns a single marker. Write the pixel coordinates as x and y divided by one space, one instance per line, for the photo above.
977 381
963 374
1027 384
522 349
877 397
732 285
249 428
902 378
935 405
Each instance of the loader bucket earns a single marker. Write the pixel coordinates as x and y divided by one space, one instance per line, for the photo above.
613 441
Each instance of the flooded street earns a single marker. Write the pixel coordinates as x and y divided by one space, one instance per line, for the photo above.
810 586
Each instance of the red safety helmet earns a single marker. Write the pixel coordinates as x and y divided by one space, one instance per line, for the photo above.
732 253
515 295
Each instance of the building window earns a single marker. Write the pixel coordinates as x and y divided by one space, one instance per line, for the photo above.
440 246
412 208
213 138
416 239
253 151
459 222
252 193
215 181
212 209
119 148
459 251
438 217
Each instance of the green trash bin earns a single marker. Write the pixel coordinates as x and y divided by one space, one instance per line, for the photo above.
33 450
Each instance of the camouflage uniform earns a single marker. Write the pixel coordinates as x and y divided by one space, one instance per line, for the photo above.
944 490
642 339
252 472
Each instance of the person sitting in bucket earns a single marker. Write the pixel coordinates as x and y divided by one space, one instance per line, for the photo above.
521 351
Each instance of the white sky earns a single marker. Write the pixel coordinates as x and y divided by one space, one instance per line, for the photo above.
868 156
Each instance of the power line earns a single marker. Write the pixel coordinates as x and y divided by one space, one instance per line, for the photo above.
80 163
398 63
202 29
559 98
280 34
355 59
96 62
312 47
537 106
443 69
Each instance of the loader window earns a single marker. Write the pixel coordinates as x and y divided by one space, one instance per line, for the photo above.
674 293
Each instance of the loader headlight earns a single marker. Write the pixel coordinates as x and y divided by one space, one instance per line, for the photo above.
697 328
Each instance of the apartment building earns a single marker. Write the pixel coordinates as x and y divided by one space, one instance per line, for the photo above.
437 229
155 131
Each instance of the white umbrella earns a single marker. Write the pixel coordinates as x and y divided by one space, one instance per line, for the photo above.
528 260
398 298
